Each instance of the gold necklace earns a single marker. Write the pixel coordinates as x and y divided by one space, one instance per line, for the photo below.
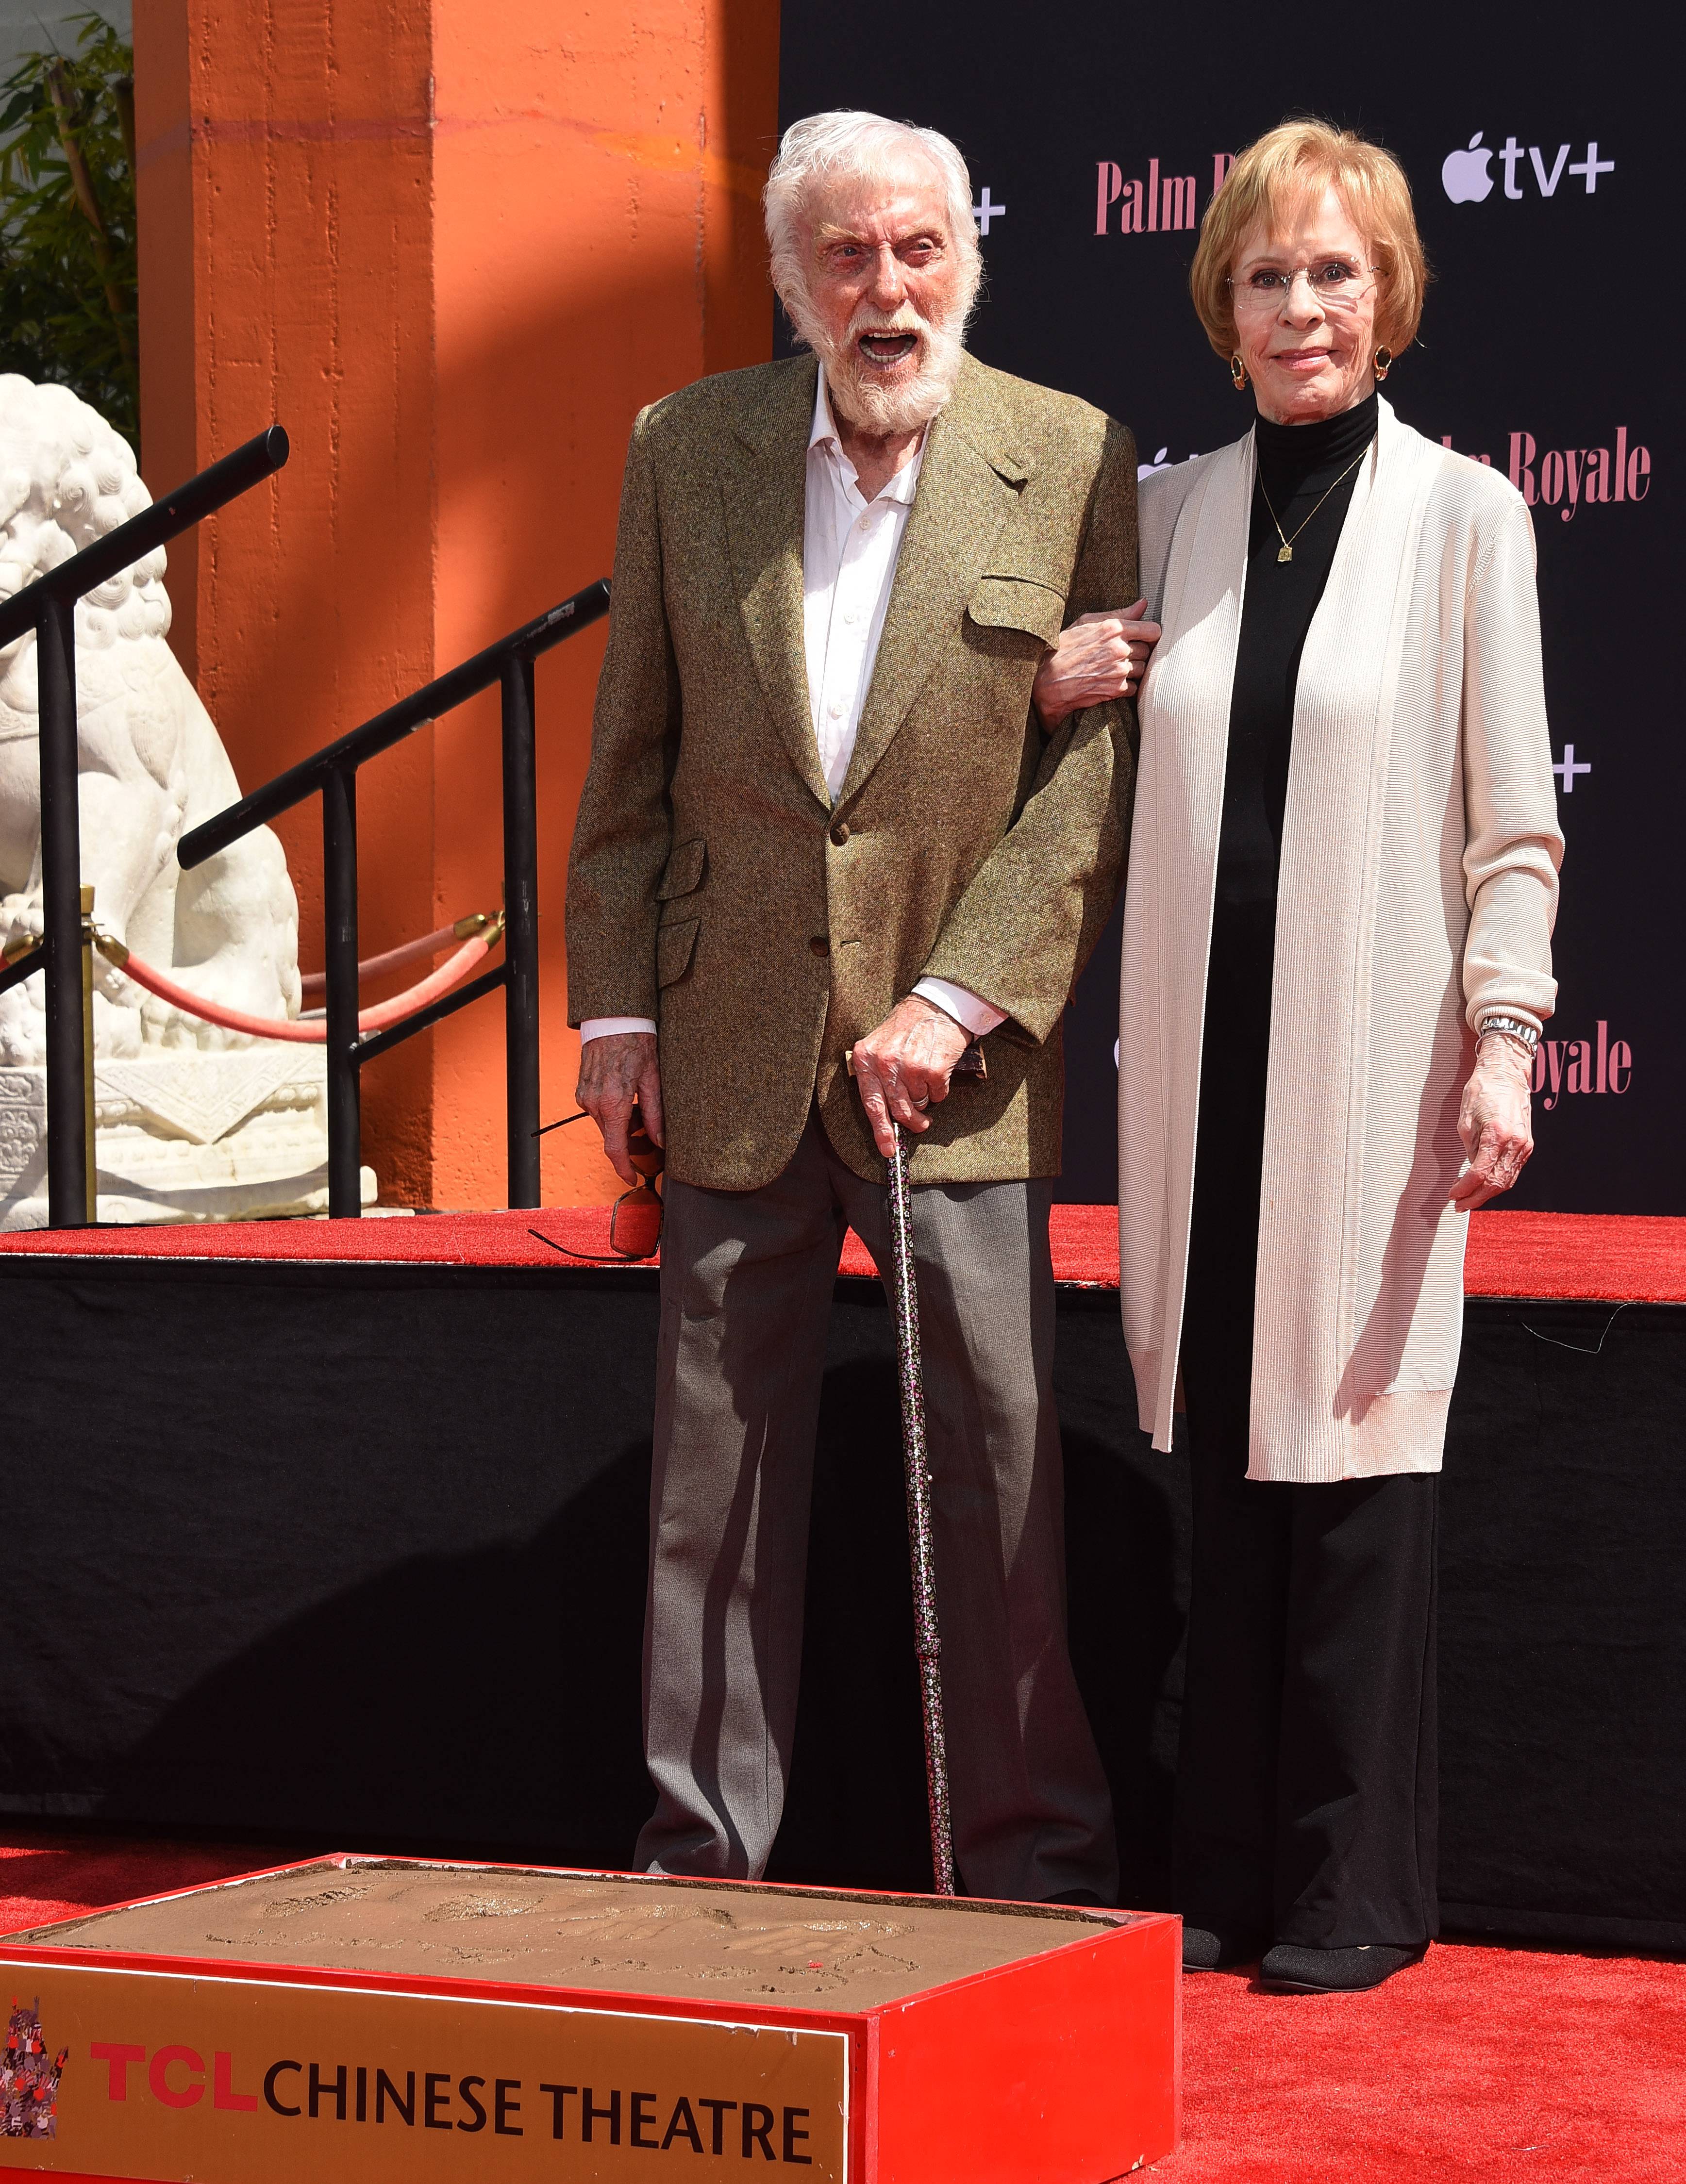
1287 552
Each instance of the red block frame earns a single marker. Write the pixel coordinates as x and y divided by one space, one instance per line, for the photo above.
1064 2068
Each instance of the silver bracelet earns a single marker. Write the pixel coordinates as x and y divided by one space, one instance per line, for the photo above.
1512 1028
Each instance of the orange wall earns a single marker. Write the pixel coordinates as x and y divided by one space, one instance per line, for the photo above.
452 246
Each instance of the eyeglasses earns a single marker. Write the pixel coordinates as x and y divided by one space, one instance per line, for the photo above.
1336 285
635 1222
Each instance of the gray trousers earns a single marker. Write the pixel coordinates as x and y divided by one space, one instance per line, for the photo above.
747 1286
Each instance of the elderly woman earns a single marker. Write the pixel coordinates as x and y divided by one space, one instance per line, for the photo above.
1336 962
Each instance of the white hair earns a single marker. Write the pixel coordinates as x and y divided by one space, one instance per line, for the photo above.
826 147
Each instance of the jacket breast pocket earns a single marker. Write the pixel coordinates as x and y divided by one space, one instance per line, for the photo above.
1018 603
674 946
683 872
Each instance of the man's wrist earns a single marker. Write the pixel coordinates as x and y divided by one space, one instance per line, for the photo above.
968 1010
607 1026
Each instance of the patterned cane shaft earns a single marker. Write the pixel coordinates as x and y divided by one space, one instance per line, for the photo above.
927 1643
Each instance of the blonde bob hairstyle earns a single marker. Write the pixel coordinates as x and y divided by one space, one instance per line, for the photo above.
1271 178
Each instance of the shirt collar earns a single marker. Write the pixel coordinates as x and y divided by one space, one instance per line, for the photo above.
823 434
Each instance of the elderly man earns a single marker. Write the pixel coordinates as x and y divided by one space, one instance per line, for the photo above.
842 793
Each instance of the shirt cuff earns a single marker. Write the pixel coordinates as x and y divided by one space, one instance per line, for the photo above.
968 1010
605 1026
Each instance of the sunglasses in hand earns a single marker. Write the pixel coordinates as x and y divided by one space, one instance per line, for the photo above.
635 1218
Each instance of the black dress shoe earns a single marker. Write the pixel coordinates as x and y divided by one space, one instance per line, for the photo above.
1288 1968
1204 1951
1086 1899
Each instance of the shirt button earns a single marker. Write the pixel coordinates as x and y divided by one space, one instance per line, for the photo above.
839 833
837 708
820 945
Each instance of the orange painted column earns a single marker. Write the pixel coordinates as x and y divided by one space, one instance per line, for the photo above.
453 248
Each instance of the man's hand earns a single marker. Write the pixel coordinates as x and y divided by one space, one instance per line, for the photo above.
614 1071
1495 1122
1101 657
905 1065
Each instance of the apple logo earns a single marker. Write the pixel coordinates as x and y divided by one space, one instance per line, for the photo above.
1159 463
1464 176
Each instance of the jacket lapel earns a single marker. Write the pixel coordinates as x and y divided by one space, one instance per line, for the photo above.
969 486
765 498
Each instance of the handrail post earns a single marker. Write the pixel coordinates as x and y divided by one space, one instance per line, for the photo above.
90 1107
61 877
339 896
521 931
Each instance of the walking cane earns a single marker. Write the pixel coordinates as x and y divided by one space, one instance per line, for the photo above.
904 1299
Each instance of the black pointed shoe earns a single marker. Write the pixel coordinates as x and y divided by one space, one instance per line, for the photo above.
1204 1951
1289 1969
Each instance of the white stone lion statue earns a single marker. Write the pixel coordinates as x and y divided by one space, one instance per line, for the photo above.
151 763
194 1121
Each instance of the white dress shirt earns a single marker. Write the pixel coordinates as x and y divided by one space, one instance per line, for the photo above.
850 548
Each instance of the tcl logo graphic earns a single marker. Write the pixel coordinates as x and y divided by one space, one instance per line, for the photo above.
1467 178
185 2089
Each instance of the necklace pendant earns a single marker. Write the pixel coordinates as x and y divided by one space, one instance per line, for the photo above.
1284 553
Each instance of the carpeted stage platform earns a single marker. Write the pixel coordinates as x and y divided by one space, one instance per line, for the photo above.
334 1532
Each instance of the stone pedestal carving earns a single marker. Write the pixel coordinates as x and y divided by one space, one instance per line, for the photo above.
183 1136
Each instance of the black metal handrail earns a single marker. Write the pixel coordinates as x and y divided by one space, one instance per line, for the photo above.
48 607
333 771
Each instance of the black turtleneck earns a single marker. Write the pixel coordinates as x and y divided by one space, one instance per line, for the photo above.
1297 464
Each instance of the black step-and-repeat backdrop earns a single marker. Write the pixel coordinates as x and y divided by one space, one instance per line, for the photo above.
1539 143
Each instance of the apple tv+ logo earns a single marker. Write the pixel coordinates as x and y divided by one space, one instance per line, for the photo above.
1467 178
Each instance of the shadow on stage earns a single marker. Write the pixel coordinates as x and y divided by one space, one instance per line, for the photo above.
487 1698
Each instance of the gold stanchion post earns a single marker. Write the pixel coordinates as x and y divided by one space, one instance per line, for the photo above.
91 1182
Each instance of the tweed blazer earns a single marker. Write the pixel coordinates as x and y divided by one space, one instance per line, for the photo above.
1419 884
714 885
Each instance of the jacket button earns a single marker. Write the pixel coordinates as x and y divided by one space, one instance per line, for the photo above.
839 833
820 945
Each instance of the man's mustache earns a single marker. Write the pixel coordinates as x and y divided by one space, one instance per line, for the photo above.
901 322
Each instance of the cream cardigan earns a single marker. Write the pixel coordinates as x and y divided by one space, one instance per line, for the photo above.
1418 888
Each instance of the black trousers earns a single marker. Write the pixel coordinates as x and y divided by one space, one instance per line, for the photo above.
1307 1797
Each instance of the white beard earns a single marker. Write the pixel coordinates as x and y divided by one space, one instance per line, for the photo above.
859 392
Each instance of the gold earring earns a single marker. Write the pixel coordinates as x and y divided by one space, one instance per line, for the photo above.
1238 372
1384 359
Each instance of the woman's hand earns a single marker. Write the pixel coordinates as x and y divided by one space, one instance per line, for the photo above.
1494 1121
1101 657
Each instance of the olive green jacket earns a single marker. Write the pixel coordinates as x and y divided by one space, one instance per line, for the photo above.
714 886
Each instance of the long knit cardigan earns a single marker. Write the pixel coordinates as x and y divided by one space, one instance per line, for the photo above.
1418 888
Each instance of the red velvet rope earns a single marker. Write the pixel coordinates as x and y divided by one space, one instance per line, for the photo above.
409 952
314 1033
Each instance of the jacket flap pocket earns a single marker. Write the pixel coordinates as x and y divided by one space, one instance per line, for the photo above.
683 870
673 946
1018 603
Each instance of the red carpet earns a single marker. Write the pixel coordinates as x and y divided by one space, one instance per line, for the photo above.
1619 1257
1495 2065
45 1877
